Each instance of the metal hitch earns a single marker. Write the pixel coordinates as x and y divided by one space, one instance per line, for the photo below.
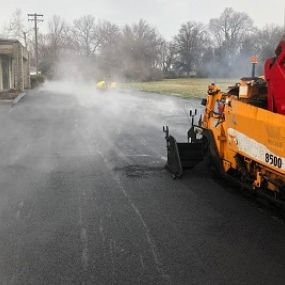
184 155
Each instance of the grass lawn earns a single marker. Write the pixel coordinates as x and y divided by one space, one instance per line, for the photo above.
193 87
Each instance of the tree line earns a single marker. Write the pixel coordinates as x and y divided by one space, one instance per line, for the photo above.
101 49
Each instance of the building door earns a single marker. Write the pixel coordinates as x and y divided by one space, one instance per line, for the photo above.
6 73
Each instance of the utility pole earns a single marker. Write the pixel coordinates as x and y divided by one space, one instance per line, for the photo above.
36 18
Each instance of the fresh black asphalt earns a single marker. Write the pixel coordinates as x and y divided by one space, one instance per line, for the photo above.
85 198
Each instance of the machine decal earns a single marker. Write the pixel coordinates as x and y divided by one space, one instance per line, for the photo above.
273 160
256 150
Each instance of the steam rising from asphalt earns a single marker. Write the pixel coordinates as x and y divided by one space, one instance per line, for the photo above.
115 101
117 114
108 117
77 76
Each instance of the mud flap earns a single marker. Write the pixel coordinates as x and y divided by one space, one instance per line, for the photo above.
181 156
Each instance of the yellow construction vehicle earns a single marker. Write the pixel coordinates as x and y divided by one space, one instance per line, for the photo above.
104 85
101 85
241 131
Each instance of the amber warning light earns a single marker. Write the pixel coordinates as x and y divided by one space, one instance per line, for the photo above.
253 59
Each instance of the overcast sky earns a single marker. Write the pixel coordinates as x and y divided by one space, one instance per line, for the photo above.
166 15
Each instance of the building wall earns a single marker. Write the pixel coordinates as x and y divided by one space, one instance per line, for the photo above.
19 69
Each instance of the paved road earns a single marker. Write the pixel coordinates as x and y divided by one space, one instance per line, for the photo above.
85 199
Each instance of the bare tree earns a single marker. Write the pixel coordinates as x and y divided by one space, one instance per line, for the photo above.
189 45
267 39
230 29
85 35
108 59
58 33
140 47
230 33
17 29
162 55
53 44
139 52
107 33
